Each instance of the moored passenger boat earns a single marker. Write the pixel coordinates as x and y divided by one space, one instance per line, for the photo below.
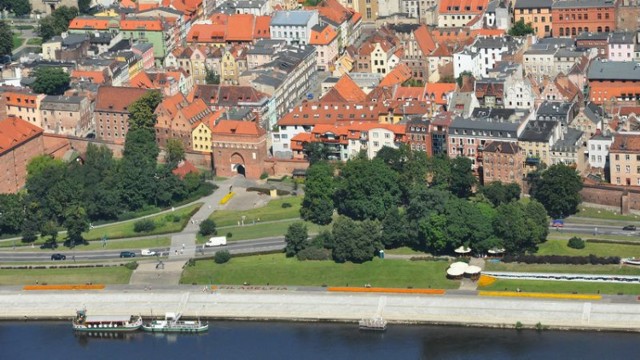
173 324
105 323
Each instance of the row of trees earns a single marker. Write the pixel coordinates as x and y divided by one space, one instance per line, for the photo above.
428 203
101 188
57 22
17 7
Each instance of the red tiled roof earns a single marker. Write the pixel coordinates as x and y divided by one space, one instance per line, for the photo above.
424 39
409 93
187 7
237 127
204 33
90 23
20 98
313 113
323 37
140 25
184 167
240 27
15 131
262 27
462 6
298 141
130 4
117 99
142 81
397 76
626 143
197 107
438 91
345 90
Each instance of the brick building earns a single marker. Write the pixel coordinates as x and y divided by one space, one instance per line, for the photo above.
239 147
111 114
535 12
624 156
502 161
572 17
19 142
614 82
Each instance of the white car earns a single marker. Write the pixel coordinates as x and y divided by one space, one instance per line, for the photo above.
147 252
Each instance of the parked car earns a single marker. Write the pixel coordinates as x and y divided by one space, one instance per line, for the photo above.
629 227
558 223
58 257
147 252
127 254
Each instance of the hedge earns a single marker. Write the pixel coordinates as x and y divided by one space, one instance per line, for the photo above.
560 259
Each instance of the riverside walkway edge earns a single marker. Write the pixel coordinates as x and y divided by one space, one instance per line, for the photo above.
454 309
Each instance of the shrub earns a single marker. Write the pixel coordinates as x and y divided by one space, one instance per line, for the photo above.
222 257
575 243
264 175
191 263
314 253
285 205
208 227
131 265
229 235
172 218
144 225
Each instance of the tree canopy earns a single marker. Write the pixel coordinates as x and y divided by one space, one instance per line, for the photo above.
519 28
142 111
174 152
366 189
57 22
17 7
6 43
355 241
498 193
50 81
558 190
317 205
295 238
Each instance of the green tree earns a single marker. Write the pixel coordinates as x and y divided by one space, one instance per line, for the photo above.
84 6
6 42
439 171
222 257
355 241
32 222
99 178
519 28
317 205
466 223
50 186
323 240
76 222
316 151
57 22
537 221
50 81
520 227
366 189
20 7
137 173
395 229
174 152
498 193
142 111
11 213
558 190
295 238
208 227
212 78
433 232
462 178
50 229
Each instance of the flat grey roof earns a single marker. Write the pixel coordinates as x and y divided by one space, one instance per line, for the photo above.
614 70
533 4
569 4
288 18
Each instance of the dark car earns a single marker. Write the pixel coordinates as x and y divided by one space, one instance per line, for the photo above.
629 227
58 257
127 254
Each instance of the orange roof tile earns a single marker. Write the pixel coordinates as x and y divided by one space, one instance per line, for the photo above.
130 4
206 33
142 80
262 27
298 141
441 51
424 39
184 167
147 6
323 37
96 76
194 110
90 23
345 90
140 25
397 76
21 98
240 27
219 18
462 6
313 113
237 127
356 17
409 93
15 131
172 104
117 99
188 7
438 91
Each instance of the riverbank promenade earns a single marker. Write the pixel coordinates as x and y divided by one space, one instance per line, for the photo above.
317 304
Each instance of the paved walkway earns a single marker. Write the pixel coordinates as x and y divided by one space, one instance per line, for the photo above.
183 244
468 284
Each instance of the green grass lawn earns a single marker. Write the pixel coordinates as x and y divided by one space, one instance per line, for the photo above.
561 235
562 287
404 251
272 211
17 41
34 41
562 268
559 247
261 230
276 269
110 275
595 213
164 225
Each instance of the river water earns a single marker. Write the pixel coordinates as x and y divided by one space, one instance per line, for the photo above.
275 340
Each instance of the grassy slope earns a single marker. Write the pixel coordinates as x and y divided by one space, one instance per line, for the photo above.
276 269
562 287
559 247
272 211
574 269
111 275
260 230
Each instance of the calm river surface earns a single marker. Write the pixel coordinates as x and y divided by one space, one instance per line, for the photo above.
265 340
